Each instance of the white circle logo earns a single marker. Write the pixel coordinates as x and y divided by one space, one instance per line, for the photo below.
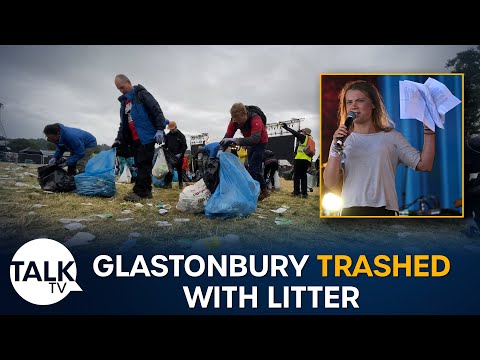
43 272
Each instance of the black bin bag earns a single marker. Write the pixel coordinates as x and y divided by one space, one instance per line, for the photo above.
54 178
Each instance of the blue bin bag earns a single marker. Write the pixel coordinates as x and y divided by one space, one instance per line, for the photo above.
211 149
237 192
99 176
159 183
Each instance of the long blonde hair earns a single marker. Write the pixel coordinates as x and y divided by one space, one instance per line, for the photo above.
381 120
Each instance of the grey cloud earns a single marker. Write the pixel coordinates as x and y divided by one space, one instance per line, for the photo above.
195 85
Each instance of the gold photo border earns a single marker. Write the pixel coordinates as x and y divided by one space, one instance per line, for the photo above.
463 149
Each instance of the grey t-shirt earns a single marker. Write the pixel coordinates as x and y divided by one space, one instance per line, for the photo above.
369 168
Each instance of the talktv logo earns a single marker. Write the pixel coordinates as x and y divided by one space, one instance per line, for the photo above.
43 272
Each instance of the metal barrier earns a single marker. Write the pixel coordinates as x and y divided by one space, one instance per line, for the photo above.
24 158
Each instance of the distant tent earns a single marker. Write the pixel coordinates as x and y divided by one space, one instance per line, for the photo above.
29 150
30 155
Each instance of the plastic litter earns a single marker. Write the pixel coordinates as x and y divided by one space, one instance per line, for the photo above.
280 210
74 226
164 206
126 177
104 216
282 221
68 221
21 184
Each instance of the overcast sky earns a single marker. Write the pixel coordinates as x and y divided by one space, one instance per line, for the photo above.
194 85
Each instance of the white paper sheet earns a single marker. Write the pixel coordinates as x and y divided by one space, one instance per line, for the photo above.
428 103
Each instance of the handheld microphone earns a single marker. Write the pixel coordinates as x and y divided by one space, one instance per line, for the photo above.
348 122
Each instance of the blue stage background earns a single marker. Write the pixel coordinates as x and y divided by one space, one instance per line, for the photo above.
445 180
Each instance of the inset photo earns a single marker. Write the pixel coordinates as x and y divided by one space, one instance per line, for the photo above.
391 145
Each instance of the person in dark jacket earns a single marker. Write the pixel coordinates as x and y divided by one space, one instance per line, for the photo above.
176 143
199 160
302 161
142 124
80 143
255 136
270 163
472 182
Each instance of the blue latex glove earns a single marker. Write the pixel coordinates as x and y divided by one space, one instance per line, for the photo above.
159 137
178 156
167 121
52 161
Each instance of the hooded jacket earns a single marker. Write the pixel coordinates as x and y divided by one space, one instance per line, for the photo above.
146 114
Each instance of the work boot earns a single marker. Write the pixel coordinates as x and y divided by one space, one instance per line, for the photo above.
180 185
167 186
263 194
132 197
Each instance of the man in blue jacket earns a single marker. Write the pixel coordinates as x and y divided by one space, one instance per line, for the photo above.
80 143
142 124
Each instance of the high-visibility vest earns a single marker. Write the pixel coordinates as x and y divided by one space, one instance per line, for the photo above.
300 154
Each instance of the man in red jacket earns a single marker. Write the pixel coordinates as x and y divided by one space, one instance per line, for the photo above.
255 137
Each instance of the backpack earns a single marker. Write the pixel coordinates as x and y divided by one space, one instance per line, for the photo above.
310 148
258 111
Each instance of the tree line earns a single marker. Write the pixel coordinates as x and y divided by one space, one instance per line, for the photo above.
468 63
17 145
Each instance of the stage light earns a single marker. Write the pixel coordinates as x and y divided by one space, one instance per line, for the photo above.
332 204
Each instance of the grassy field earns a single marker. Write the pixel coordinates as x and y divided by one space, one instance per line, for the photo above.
27 212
